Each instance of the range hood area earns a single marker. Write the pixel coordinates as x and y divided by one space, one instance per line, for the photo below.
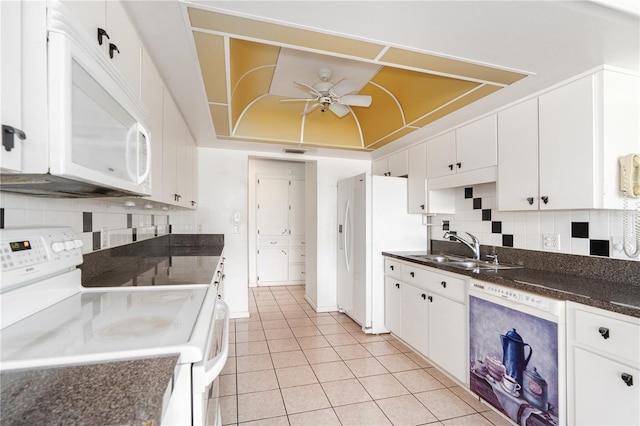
50 186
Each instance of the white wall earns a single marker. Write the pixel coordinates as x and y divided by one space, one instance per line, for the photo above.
223 190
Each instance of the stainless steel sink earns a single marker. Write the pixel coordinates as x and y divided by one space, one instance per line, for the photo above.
464 263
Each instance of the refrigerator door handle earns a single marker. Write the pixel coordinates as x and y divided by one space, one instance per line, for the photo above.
345 236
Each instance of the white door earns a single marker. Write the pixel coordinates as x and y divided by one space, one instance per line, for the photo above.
441 155
415 317
476 145
392 305
273 265
273 206
447 335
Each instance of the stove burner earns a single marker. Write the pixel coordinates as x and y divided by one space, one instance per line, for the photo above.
136 328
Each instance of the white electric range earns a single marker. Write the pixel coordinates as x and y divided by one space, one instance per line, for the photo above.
49 319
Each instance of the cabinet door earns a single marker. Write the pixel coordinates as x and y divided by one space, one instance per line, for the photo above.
123 34
416 184
441 155
273 206
11 80
448 335
518 157
415 317
393 305
566 138
296 207
476 145
151 93
601 396
273 264
169 148
397 164
379 167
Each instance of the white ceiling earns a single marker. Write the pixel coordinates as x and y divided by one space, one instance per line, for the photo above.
554 40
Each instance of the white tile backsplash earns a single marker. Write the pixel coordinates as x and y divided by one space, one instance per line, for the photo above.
527 227
107 214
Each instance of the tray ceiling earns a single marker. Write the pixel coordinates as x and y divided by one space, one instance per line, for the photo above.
248 66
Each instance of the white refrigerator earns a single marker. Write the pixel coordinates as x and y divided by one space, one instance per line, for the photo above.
372 218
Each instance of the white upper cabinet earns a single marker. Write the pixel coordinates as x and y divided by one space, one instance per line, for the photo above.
518 157
441 155
467 148
417 178
584 127
151 93
395 165
118 37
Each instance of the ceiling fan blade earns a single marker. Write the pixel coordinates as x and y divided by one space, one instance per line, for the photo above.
308 110
339 109
298 100
311 89
342 87
355 100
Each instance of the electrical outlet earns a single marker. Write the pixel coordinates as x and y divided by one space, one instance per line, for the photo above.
551 242
617 250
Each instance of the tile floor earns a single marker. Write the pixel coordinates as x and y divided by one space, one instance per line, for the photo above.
291 366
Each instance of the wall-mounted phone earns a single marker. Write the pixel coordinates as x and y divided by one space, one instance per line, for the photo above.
630 187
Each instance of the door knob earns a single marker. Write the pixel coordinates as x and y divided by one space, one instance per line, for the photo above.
430 298
424 296
443 284
530 200
397 285
412 274
544 199
604 332
627 378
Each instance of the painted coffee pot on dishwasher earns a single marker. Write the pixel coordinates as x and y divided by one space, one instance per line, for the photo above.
513 354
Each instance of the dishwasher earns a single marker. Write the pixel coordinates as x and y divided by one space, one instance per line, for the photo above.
517 356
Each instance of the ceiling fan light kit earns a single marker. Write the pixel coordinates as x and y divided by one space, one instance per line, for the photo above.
337 98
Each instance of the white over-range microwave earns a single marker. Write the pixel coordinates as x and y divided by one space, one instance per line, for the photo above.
98 144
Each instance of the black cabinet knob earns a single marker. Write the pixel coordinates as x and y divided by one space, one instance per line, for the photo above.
627 378
450 166
443 284
459 165
530 200
391 267
101 33
424 296
413 274
397 285
421 206
604 332
430 298
112 48
544 199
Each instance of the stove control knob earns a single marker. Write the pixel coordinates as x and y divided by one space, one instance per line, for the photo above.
69 245
57 247
78 243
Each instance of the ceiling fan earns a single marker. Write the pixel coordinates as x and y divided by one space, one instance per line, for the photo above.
329 96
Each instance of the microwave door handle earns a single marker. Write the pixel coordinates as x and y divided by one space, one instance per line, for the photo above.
132 137
147 141
214 366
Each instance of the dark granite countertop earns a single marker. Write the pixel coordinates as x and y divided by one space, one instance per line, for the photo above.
170 260
616 296
123 392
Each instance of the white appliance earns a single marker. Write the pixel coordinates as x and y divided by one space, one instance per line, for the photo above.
98 144
49 319
517 354
372 218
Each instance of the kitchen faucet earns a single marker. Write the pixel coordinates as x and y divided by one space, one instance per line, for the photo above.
475 247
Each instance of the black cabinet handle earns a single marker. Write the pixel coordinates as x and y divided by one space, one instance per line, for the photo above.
450 166
101 33
421 206
397 285
604 332
424 296
443 284
544 199
430 298
530 200
627 378
413 274
459 165
391 267
112 47
8 133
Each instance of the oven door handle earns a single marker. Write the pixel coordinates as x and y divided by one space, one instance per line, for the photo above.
214 366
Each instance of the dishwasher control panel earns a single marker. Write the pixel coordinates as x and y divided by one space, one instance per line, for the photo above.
511 295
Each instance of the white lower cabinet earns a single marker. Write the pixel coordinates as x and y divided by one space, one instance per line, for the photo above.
273 265
427 310
603 367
